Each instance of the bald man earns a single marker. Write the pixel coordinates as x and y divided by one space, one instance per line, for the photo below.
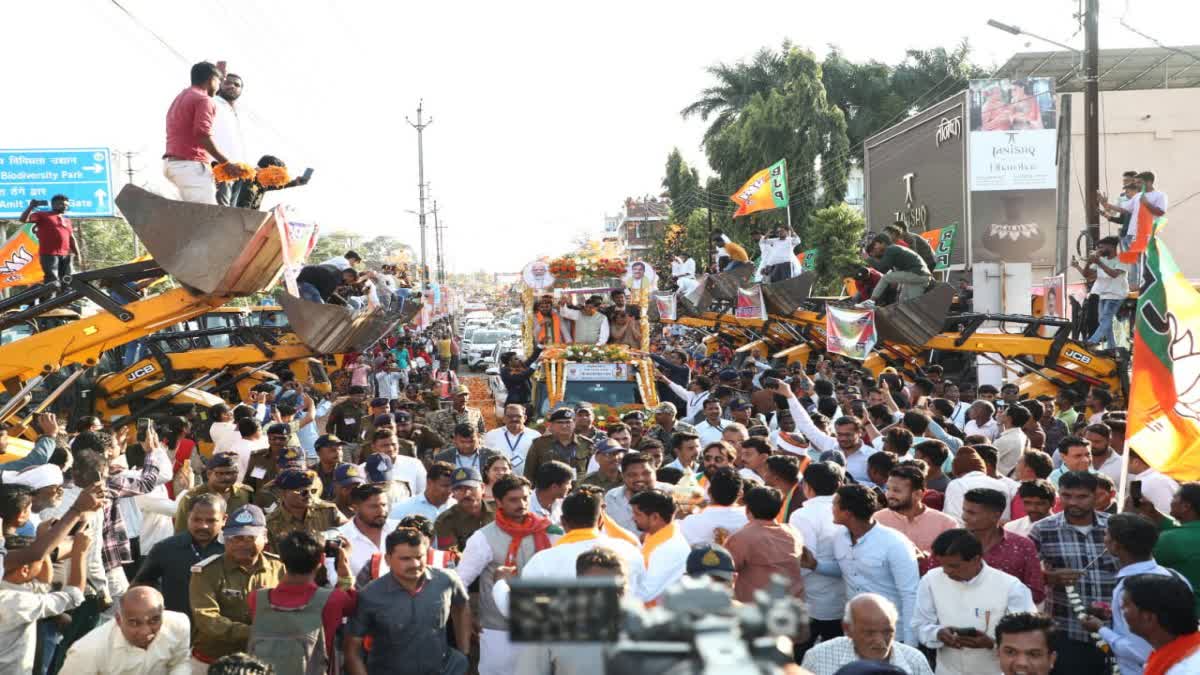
869 623
143 638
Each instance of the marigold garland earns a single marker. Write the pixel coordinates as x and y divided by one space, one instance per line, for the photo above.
273 176
229 172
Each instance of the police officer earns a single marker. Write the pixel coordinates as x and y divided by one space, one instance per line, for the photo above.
560 442
426 442
221 585
378 469
299 508
221 477
608 456
456 524
289 458
346 420
264 464
376 409
444 421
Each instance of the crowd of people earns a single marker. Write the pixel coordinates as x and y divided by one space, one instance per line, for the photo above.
926 523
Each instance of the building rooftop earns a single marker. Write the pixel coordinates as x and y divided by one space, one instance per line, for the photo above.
1120 69
646 208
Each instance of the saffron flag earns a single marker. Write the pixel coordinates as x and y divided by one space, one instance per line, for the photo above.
941 241
765 190
19 264
807 260
850 332
1146 227
1164 392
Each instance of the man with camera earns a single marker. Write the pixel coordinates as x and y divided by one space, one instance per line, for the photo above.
55 235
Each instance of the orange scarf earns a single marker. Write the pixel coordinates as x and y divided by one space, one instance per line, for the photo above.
657 539
612 529
556 329
576 536
1173 652
532 525
781 517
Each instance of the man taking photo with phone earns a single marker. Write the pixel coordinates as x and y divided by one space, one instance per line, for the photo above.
55 235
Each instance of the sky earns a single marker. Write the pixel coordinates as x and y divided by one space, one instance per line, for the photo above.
546 115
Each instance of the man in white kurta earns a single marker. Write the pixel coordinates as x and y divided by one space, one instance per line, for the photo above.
959 603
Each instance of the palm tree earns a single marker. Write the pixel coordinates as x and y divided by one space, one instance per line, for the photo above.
736 84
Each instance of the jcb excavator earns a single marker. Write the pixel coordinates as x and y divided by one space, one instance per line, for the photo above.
215 254
907 332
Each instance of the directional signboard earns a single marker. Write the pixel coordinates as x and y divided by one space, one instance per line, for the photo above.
82 174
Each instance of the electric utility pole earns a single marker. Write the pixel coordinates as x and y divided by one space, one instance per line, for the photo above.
420 125
437 240
1091 128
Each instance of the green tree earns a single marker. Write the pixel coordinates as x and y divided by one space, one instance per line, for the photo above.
682 184
106 242
736 85
873 96
835 231
794 121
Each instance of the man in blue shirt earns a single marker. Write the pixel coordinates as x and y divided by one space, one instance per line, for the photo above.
1131 539
870 557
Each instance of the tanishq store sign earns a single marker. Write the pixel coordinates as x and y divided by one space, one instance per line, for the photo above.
1008 160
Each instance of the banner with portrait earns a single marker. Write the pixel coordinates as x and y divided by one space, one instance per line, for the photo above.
750 304
664 302
850 332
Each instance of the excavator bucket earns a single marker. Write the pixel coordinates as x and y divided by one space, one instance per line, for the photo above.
696 302
785 297
412 307
724 285
216 250
914 322
336 329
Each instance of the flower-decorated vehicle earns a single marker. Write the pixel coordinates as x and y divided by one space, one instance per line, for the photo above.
608 377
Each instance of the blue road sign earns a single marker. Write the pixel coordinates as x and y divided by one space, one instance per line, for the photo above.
82 174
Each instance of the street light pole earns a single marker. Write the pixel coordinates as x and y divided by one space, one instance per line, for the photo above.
420 125
1091 119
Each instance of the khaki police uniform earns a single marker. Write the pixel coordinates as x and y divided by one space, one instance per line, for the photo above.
546 448
321 516
454 526
600 480
218 595
238 497
443 421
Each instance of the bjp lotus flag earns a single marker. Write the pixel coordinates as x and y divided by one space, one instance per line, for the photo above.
19 264
766 189
1164 391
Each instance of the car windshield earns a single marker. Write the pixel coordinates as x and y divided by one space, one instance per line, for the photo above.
486 337
610 393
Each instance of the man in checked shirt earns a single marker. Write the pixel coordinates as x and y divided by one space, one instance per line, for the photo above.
1071 547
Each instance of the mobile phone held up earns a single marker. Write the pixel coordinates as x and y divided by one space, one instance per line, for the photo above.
144 425
1135 492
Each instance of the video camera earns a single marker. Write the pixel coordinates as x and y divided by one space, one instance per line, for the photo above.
696 628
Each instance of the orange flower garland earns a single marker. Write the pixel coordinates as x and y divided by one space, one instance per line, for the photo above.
231 171
273 176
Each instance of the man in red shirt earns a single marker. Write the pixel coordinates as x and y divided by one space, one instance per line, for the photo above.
303 556
56 238
190 146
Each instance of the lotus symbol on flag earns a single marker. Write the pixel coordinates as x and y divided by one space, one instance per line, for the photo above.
1186 368
16 262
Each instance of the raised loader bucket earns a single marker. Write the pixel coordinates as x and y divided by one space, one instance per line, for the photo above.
697 301
216 250
914 322
785 297
724 286
336 329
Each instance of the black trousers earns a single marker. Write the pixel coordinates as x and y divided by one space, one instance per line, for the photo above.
55 267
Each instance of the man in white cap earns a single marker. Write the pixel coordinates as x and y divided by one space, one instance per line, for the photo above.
46 481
